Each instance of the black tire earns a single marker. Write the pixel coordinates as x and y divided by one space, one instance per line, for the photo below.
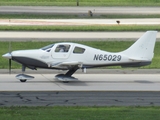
23 80
65 81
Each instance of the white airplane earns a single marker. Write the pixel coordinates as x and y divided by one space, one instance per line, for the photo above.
73 56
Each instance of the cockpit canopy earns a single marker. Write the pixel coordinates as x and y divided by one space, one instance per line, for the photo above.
47 47
64 47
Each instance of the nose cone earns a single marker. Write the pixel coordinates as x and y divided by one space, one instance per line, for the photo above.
7 55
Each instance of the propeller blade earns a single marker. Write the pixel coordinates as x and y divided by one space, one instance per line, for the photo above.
10 63
10 59
9 47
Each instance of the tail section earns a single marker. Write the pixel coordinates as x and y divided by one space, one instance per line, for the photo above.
143 48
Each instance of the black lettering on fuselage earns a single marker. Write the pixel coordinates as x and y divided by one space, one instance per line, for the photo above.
105 57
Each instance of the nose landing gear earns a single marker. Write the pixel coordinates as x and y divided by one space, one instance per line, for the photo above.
23 77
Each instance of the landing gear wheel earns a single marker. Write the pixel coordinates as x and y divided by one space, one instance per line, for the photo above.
65 81
23 80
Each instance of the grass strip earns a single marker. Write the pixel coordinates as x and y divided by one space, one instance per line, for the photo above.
81 2
64 16
82 28
80 113
112 46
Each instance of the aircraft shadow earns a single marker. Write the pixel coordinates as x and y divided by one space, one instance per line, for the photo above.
82 83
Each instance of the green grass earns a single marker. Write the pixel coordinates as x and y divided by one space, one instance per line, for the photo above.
81 2
82 28
64 16
112 46
42 16
79 113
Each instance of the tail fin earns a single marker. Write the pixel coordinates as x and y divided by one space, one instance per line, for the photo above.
143 48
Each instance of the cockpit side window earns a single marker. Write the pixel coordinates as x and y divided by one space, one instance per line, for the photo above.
78 50
62 48
47 48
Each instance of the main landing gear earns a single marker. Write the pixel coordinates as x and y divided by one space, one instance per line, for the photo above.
65 78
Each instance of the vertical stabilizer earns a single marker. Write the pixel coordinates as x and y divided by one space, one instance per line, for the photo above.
143 48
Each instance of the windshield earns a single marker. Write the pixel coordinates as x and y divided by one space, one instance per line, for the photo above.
47 47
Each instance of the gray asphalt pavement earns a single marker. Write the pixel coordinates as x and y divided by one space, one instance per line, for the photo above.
84 82
79 10
57 98
92 90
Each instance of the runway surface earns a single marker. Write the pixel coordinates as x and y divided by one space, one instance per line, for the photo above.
85 82
65 36
78 10
89 90
91 98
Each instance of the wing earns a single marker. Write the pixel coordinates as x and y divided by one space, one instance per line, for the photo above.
67 65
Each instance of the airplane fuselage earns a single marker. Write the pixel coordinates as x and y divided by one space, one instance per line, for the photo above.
88 56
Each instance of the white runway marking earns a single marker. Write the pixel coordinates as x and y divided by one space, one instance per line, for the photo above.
37 22
55 36
86 82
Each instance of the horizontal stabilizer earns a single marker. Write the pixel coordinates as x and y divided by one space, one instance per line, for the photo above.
139 59
136 64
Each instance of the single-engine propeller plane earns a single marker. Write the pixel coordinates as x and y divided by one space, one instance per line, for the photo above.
73 56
